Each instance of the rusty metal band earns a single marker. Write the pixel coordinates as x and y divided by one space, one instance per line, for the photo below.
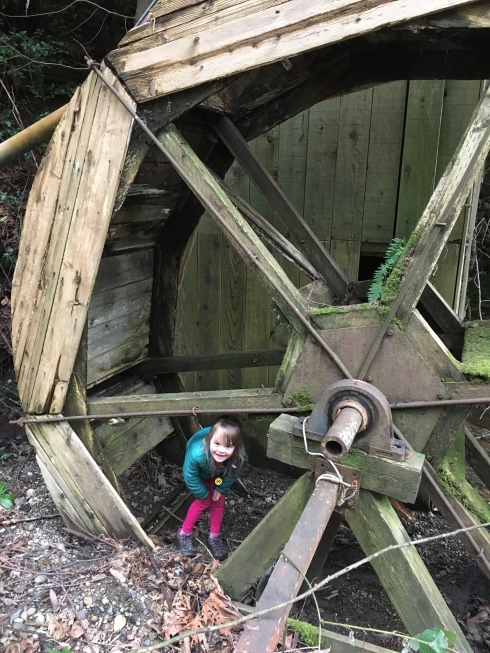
304 321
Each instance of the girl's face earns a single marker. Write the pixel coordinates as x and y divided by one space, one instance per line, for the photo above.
220 452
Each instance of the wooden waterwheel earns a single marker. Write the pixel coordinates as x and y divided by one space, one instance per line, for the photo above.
140 152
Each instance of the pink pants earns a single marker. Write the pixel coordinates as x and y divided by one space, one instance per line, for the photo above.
199 506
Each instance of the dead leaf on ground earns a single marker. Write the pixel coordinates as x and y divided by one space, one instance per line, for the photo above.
118 575
76 630
217 609
54 600
29 645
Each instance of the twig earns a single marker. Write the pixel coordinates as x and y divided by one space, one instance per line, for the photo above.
317 586
89 536
23 465
11 522
153 563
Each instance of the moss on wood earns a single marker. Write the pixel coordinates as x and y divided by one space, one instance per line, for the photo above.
476 350
302 400
308 634
452 473
341 309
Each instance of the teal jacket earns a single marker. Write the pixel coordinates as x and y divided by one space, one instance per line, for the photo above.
197 467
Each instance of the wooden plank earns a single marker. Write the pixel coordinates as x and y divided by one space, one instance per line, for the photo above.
289 571
261 548
117 271
279 201
257 302
220 52
117 359
320 167
232 223
350 173
208 309
123 451
477 457
445 432
399 480
132 235
145 212
445 206
217 399
109 335
116 302
441 311
346 253
62 445
233 290
71 259
414 594
72 513
383 165
419 159
446 272
226 360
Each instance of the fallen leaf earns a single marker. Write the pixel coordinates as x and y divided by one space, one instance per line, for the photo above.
76 630
197 568
99 577
118 623
54 600
117 575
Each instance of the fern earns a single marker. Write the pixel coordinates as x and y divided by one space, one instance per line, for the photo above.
393 253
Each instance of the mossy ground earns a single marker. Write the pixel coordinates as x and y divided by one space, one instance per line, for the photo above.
452 473
476 350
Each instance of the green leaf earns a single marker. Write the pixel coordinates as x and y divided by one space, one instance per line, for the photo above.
6 500
436 640
3 487
6 456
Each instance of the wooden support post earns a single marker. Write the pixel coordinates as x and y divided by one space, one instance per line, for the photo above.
211 399
241 235
264 633
402 573
435 225
321 554
399 480
315 251
440 311
477 457
262 546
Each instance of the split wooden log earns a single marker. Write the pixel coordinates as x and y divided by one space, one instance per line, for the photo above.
477 457
399 480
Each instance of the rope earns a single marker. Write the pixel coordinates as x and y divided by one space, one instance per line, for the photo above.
328 476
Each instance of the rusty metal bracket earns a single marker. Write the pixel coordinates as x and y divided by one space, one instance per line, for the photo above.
349 475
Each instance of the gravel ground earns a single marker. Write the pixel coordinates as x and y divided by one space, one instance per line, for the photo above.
58 590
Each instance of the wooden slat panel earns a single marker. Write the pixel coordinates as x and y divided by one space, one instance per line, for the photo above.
347 253
111 334
350 175
66 252
421 141
383 167
132 235
123 269
113 303
320 167
233 291
116 359
257 301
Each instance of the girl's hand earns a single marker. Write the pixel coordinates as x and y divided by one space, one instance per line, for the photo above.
216 495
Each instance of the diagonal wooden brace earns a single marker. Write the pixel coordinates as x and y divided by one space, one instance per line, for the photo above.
263 635
276 197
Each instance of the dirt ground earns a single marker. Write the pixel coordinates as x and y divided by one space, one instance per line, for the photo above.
60 591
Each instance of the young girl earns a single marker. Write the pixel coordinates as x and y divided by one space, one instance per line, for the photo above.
213 459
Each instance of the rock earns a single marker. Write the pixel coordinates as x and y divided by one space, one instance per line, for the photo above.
268 499
88 601
19 589
105 600
18 620
31 493
15 615
31 611
39 618
24 615
39 580
118 623
147 642
81 614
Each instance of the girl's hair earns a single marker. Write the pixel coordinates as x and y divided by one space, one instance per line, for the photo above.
231 428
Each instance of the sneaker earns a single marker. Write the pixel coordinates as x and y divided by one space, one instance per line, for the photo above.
185 544
218 548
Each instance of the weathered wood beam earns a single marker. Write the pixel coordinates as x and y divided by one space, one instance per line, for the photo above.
261 548
270 233
241 235
400 480
260 38
211 399
480 535
226 360
435 225
402 573
289 572
473 16
440 311
467 390
477 457
278 200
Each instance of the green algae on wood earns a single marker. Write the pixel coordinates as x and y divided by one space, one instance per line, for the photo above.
302 400
476 349
341 309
